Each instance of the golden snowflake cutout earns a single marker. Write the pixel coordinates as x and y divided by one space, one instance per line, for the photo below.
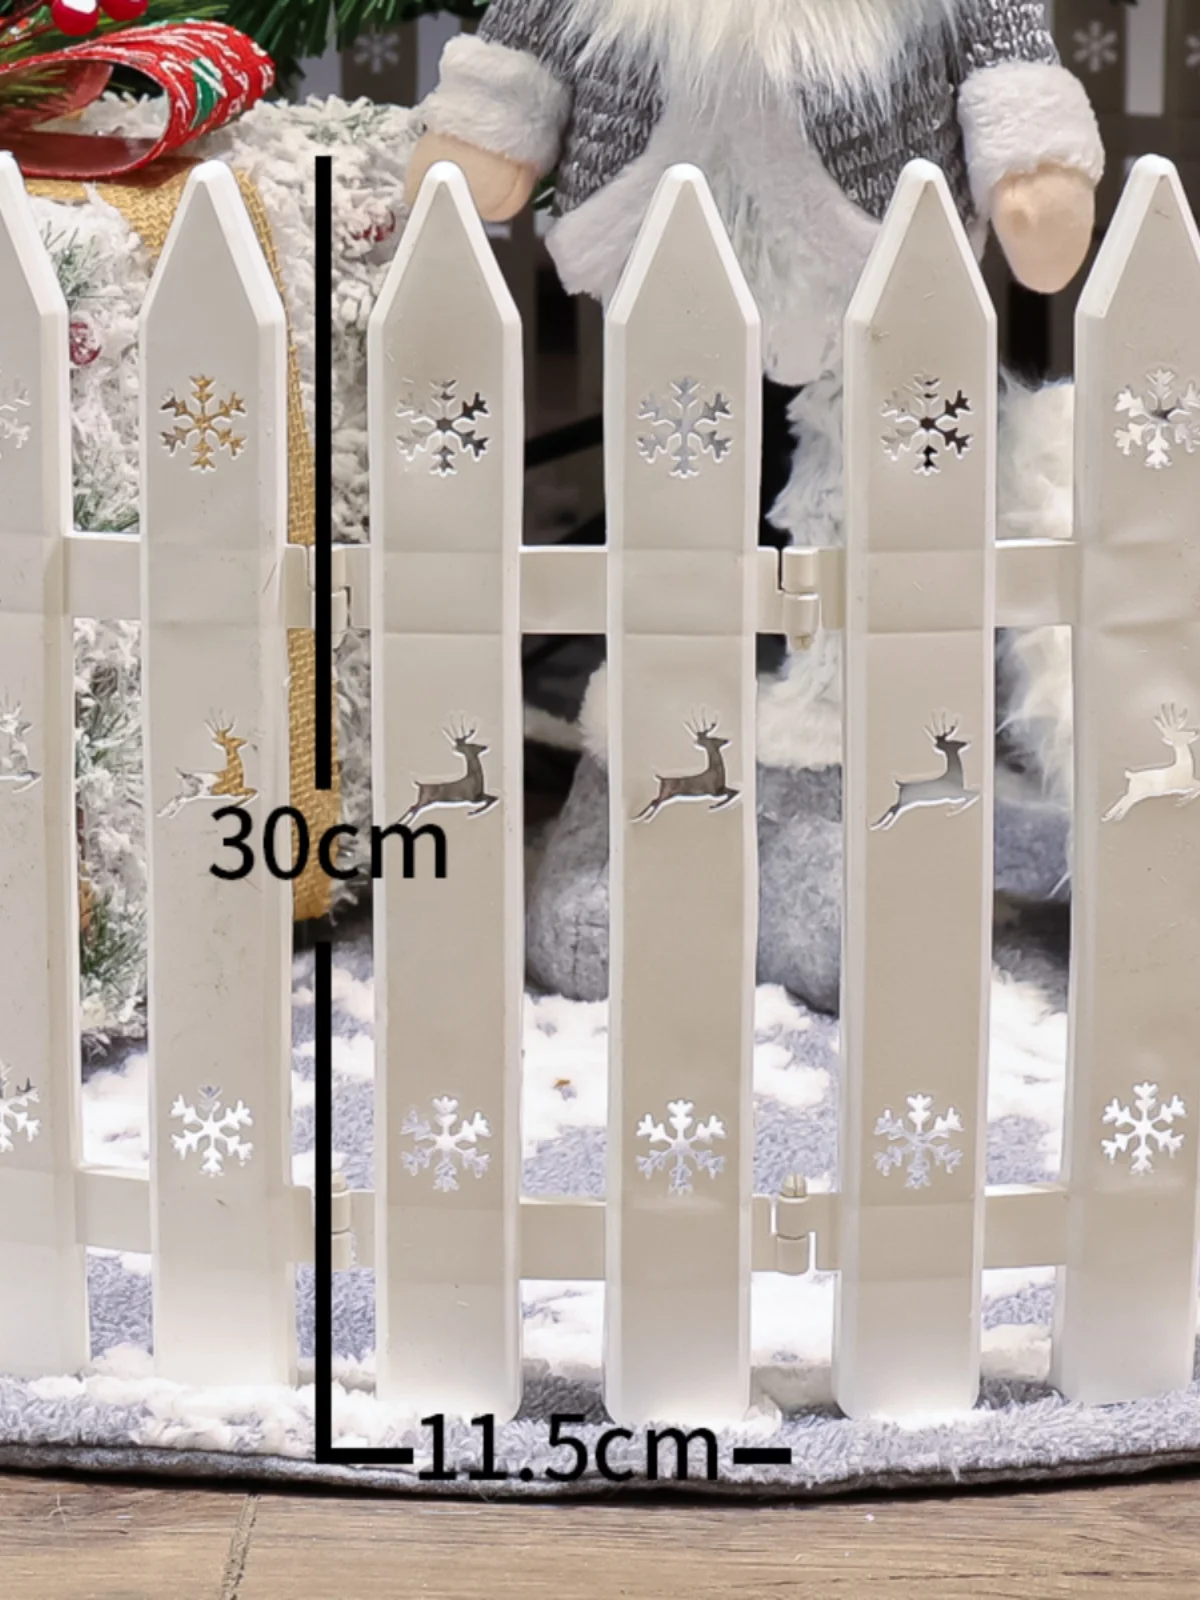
203 425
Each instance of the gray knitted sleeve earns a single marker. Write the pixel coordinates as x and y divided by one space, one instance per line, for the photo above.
535 26
994 31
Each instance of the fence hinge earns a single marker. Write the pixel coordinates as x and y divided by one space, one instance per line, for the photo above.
793 1227
811 590
342 1225
352 581
351 595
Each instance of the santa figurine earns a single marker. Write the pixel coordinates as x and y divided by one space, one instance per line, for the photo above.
802 115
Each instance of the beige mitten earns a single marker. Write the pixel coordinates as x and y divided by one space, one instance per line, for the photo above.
499 187
1044 221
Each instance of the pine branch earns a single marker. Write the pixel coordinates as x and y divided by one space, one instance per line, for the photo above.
112 950
290 30
27 31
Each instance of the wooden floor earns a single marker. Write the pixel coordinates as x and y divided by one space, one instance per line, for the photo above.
85 1540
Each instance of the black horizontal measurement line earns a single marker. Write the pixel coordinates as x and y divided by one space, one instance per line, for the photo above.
351 1457
773 1457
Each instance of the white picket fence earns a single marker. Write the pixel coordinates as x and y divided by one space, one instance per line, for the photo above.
447 591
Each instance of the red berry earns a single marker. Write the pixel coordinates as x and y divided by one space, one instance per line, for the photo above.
85 346
375 229
124 10
75 17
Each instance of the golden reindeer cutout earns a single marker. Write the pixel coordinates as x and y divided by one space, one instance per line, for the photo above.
227 784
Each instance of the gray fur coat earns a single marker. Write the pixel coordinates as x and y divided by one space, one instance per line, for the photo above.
802 114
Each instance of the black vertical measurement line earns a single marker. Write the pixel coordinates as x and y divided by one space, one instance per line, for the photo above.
323 452
323 756
323 1199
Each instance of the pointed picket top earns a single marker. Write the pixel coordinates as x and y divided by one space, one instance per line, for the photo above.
922 239
683 379
443 233
446 403
212 209
1153 236
35 467
920 371
26 267
680 242
214 341
1138 357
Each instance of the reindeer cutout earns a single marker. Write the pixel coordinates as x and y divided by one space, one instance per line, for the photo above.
947 789
228 784
470 790
1177 778
15 770
710 784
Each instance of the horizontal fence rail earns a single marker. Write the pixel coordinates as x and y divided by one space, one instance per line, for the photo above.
446 592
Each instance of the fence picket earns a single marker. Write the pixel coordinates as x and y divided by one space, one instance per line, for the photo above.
682 402
43 1288
446 461
920 476
214 468
1126 1316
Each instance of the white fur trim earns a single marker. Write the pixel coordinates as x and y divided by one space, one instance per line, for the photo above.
1035 494
800 711
593 717
500 99
542 727
1021 115
845 47
800 241
1035 477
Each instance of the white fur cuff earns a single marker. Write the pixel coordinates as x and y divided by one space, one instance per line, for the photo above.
1020 115
500 99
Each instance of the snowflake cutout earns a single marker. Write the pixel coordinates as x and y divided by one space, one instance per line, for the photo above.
453 1140
925 422
1096 47
14 401
1168 414
14 1112
686 427
203 424
377 51
920 1145
445 428
1149 1126
1192 46
685 1146
15 769
212 1130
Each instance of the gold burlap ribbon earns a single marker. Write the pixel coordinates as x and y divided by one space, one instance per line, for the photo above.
148 201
